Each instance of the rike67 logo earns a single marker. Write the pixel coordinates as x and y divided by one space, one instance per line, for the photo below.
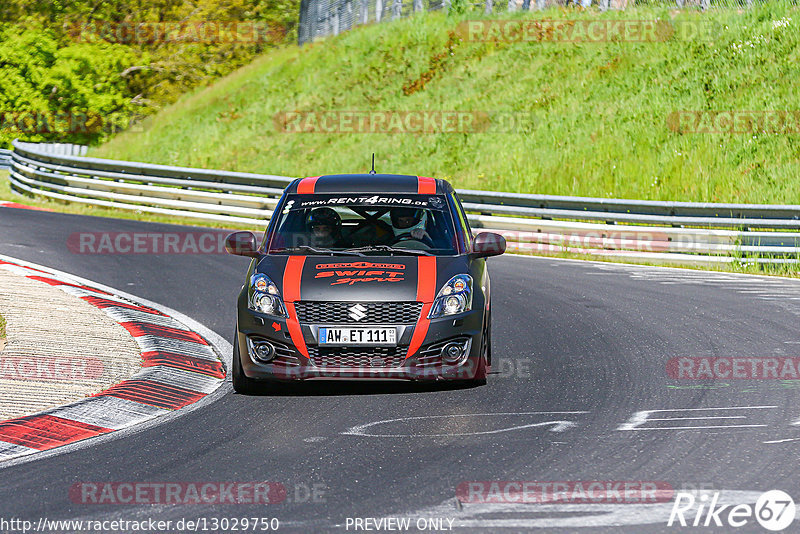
774 510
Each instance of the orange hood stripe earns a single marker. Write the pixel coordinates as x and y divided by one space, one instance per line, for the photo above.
292 275
306 185
426 292
426 186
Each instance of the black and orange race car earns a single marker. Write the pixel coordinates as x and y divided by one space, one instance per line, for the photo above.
364 276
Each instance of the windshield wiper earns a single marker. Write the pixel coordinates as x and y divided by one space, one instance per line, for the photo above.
387 248
314 250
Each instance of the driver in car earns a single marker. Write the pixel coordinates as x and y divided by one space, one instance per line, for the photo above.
325 228
409 221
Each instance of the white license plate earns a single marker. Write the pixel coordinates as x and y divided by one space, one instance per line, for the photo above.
357 336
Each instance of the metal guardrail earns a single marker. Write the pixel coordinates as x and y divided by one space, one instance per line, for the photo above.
5 158
661 232
62 149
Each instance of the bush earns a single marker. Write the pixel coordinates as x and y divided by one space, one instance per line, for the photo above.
60 84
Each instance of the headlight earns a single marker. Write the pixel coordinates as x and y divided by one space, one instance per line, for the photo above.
264 297
455 297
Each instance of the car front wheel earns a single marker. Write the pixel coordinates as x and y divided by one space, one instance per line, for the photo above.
241 384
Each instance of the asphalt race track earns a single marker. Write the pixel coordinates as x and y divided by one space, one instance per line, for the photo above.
589 341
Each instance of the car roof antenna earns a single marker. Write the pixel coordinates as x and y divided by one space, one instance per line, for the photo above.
373 164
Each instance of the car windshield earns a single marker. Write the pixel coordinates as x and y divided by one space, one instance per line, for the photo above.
366 224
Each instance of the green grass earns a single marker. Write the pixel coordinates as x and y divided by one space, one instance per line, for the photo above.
599 110
2 328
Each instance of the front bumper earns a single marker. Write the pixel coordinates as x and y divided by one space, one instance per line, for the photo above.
371 363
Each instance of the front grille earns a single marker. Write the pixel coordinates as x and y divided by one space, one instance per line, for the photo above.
371 312
357 357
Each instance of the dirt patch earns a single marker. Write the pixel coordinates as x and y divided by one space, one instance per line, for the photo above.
59 353
2 333
437 64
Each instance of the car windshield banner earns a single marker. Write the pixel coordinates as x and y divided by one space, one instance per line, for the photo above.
300 202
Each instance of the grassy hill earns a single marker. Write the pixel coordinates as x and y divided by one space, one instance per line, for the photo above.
598 113
78 71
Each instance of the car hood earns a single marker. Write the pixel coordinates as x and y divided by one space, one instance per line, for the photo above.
354 279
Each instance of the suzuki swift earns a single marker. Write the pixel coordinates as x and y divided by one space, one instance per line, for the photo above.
364 276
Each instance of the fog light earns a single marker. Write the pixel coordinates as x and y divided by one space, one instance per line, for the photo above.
263 351
453 353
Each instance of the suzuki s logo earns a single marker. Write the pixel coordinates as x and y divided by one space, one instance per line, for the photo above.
357 312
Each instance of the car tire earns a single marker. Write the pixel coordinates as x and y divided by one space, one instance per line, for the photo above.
489 338
479 377
481 370
241 384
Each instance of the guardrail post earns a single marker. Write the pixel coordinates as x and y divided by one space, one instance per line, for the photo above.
397 9
335 19
348 10
364 11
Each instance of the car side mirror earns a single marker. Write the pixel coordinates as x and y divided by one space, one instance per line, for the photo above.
488 244
242 244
